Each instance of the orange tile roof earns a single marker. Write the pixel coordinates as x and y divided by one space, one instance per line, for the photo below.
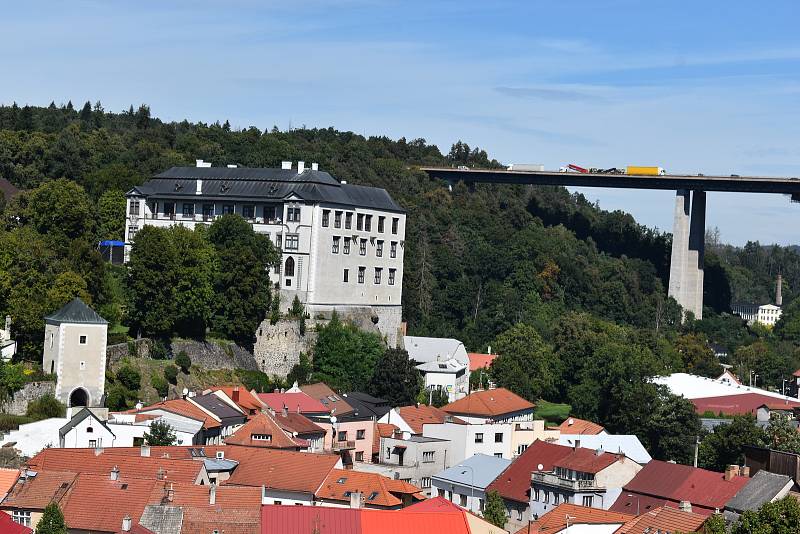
182 407
246 400
665 519
418 415
556 519
35 493
328 397
402 522
573 425
295 422
480 361
382 430
262 425
229 521
384 489
130 466
280 469
97 503
514 482
192 495
7 479
587 460
489 403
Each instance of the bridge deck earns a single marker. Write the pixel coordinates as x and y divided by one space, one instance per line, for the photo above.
744 184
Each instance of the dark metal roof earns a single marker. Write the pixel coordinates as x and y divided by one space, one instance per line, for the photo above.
263 184
217 406
365 407
77 418
762 488
75 311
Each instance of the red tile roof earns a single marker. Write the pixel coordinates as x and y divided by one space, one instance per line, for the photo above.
116 498
279 469
295 402
229 521
489 403
738 404
382 430
573 425
327 397
665 519
193 495
436 504
480 361
262 425
418 415
667 484
556 519
36 492
182 407
7 479
295 422
246 400
587 460
386 491
514 483
9 526
402 522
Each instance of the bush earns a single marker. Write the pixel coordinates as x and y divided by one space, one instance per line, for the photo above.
12 422
255 380
158 350
171 374
45 407
183 361
297 308
117 338
160 384
129 377
117 397
12 378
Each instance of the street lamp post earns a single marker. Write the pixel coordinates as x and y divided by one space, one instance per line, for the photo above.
472 482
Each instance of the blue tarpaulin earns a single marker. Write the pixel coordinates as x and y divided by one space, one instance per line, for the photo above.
110 243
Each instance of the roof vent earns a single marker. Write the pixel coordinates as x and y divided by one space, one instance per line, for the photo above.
232 166
315 166
301 167
344 182
286 165
220 455
115 473
202 164
126 523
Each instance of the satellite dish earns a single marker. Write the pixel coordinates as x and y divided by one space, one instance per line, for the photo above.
333 419
540 467
185 391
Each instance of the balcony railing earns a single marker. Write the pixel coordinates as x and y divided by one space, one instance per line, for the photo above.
344 445
551 479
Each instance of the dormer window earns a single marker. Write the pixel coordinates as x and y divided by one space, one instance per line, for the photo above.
261 437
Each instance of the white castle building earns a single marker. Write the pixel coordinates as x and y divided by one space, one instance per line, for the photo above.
342 244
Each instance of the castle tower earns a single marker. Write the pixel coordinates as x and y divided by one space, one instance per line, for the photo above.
75 351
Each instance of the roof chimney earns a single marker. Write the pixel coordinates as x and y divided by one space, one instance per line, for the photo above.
286 165
301 166
356 499
98 451
685 506
126 523
212 494
202 164
731 471
115 473
145 451
285 411
778 295
235 394
745 471
315 166
199 190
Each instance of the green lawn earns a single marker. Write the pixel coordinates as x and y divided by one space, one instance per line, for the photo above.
552 412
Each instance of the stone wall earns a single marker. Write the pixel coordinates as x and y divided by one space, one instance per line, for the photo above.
115 353
278 346
18 404
215 355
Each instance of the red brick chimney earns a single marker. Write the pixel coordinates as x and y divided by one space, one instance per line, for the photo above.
235 396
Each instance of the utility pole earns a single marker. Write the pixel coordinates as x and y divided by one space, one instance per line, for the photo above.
696 449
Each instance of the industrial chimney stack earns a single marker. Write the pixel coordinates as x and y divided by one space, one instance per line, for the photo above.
778 296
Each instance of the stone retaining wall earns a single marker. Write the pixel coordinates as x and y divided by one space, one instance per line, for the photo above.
18 404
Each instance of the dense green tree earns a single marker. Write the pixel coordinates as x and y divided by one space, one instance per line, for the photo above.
782 435
395 378
160 434
183 361
779 517
129 377
301 371
724 445
697 356
52 521
525 365
495 511
62 209
151 283
45 407
117 397
111 215
171 374
715 524
160 384
673 429
195 272
345 356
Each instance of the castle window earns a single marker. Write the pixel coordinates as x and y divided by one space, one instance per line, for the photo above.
361 271
381 224
378 272
346 276
132 232
134 207
348 220
292 242
360 221
249 212
228 209
395 224
337 219
326 218
293 214
89 429
393 249
362 248
188 209
379 249
335 245
368 223
82 340
169 209
347 245
288 269
391 276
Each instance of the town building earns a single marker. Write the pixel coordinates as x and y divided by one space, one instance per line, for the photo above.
764 487
411 419
665 520
567 518
585 477
479 364
757 459
412 458
238 397
765 314
329 398
75 351
263 431
370 490
573 425
342 245
496 405
627 444
443 362
467 440
465 484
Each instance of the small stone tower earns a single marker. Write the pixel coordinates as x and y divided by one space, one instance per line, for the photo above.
75 351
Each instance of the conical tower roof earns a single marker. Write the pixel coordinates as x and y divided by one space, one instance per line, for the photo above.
75 311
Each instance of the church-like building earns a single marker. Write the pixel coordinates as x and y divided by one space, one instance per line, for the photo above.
75 351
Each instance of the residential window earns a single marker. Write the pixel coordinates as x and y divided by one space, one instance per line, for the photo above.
82 340
132 232
536 495
368 223
556 497
498 437
292 242
379 249
360 221
393 249
425 482
269 213
388 453
391 276
381 224
362 247
326 218
337 219
360 434
277 503
92 443
519 515
188 209
378 272
395 225
335 245
279 241
342 436
427 457
228 209
169 209
23 517
134 207
208 210
498 455
288 268
346 276
462 500
587 501
293 214
348 220
359 456
361 271
248 211
479 438
346 245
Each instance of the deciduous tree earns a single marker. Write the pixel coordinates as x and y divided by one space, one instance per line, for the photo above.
395 378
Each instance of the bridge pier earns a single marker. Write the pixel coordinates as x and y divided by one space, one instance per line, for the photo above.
688 251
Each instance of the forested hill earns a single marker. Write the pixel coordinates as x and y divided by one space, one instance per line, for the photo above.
477 262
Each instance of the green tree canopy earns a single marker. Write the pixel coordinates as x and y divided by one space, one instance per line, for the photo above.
160 434
495 511
111 215
724 445
344 356
52 521
395 378
525 365
779 517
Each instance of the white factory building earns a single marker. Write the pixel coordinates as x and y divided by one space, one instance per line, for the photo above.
342 244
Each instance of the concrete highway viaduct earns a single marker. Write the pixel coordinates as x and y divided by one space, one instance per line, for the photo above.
688 231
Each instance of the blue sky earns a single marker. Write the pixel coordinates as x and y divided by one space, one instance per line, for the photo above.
711 87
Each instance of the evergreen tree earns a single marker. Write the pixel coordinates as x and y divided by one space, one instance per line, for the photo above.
395 378
494 511
52 521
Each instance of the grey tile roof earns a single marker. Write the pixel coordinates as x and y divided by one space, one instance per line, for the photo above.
486 468
762 488
263 184
77 418
162 519
365 407
217 406
75 311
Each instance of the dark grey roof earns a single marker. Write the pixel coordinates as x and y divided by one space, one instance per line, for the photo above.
77 418
263 184
75 311
162 519
217 406
365 407
762 488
